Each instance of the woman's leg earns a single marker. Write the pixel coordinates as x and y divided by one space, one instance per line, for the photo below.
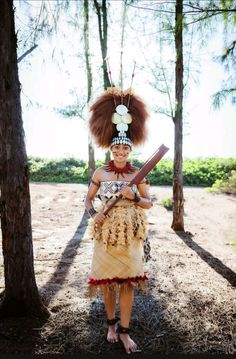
110 306
126 303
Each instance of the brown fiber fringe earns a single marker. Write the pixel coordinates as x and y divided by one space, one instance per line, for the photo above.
122 225
93 290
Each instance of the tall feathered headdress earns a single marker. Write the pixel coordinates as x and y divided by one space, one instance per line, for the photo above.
118 117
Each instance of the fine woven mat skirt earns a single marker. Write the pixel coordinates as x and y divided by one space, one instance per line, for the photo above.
118 249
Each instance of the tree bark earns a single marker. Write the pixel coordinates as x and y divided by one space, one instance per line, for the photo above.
178 198
21 295
91 159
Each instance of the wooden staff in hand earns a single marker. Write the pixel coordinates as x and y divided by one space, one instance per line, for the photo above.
144 170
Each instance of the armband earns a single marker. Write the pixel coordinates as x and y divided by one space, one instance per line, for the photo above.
92 211
136 198
95 183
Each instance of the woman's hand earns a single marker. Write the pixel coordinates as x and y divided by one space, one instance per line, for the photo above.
127 192
99 218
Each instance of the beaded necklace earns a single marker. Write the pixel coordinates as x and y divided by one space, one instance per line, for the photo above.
111 167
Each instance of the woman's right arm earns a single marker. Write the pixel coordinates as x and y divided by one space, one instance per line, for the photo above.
92 191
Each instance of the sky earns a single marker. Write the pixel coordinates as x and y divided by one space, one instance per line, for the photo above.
46 85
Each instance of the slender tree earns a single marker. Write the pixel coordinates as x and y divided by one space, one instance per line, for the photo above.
168 79
178 198
21 295
91 159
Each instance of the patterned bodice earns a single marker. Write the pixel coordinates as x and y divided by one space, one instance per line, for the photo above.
110 189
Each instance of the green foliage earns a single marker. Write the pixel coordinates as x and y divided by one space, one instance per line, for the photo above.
225 185
69 111
161 173
167 203
68 170
220 97
196 172
204 172
136 162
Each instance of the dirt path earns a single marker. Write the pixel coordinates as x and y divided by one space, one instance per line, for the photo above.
190 306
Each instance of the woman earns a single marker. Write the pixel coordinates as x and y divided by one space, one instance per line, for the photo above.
117 264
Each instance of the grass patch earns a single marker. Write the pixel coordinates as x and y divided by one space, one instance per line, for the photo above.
167 203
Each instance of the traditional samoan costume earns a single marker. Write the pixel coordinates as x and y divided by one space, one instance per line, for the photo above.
118 242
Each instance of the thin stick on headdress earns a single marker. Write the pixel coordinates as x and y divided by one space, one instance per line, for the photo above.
122 47
132 78
109 76
121 75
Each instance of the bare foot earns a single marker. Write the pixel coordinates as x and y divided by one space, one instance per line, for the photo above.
129 344
112 336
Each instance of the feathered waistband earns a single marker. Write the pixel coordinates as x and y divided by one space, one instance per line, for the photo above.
124 222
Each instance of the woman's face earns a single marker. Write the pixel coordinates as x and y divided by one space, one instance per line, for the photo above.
120 152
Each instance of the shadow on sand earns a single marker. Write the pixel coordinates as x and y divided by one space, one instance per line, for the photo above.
212 261
70 253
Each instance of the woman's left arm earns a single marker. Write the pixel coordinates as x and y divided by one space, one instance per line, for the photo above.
143 198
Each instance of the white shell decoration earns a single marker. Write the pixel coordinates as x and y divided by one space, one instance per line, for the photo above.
127 118
117 118
122 127
121 110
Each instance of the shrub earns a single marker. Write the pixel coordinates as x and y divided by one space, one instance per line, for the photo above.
226 185
59 170
196 172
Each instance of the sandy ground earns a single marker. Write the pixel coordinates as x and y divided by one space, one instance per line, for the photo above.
190 306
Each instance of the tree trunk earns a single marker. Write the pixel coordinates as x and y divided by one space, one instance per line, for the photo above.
101 11
91 162
21 295
91 159
178 199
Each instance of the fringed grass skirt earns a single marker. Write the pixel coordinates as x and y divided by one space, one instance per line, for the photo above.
118 249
